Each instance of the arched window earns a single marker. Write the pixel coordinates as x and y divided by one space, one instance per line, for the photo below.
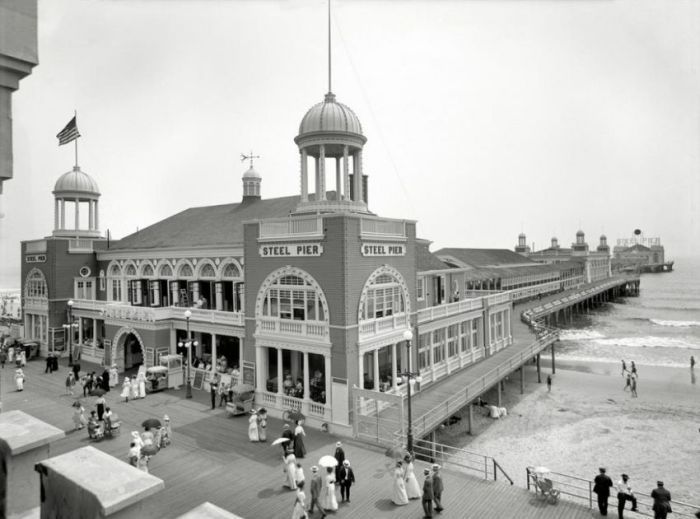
207 271
35 285
147 271
231 271
384 294
185 271
294 297
115 271
166 271
130 270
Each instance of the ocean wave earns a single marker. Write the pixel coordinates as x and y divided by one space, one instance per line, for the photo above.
675 324
580 335
648 342
666 363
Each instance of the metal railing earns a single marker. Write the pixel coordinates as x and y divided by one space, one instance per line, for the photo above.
428 421
580 490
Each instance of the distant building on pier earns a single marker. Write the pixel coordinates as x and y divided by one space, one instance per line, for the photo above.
640 253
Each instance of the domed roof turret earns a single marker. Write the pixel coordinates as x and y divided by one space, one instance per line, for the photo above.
580 233
76 182
603 237
251 173
330 116
522 235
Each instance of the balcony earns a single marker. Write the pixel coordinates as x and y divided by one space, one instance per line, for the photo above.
314 330
33 247
115 310
497 299
432 313
286 228
80 245
382 228
382 325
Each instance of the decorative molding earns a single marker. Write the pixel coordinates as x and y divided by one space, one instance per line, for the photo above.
393 272
123 254
289 344
123 331
289 271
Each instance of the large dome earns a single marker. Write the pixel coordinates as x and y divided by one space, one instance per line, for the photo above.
76 182
330 116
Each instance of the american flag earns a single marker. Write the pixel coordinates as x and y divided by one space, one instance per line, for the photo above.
69 133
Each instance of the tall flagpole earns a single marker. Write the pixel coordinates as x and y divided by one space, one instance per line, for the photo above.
329 46
75 113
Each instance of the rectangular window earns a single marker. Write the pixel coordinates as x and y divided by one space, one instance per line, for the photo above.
424 351
452 343
438 346
420 288
475 333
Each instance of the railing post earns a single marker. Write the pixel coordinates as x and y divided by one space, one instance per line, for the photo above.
495 475
527 475
590 495
486 468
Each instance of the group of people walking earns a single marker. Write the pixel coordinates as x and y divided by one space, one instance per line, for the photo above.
134 388
406 487
144 446
602 485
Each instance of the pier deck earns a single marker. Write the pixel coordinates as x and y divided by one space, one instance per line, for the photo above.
211 459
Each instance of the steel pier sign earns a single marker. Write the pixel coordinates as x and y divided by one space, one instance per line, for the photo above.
383 249
290 249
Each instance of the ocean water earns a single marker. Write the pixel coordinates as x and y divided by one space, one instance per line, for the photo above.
661 327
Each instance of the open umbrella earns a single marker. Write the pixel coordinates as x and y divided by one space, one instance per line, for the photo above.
328 461
280 441
98 391
151 423
398 453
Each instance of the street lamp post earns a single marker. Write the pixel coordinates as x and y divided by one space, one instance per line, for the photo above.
188 344
409 376
70 332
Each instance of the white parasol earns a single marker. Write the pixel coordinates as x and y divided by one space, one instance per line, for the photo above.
328 461
280 441
541 470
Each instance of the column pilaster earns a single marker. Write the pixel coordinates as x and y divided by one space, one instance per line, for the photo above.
376 369
327 377
304 176
77 214
219 296
306 376
346 174
338 184
322 173
280 380
393 366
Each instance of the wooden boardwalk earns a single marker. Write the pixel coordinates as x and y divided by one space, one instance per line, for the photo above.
212 460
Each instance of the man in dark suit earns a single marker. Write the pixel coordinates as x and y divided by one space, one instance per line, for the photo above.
662 501
287 433
601 486
316 485
437 488
340 458
428 495
346 479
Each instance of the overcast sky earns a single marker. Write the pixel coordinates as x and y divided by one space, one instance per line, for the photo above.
483 118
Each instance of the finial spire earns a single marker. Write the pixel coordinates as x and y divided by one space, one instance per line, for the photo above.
329 46
249 157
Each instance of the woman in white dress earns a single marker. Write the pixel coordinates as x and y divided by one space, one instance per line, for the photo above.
134 388
290 470
113 376
126 389
413 490
141 378
253 427
398 493
19 379
329 501
299 511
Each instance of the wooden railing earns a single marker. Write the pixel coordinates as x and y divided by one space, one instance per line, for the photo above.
289 227
383 228
311 329
436 312
384 324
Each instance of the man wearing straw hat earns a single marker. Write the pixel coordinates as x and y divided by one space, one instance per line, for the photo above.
428 494
316 485
437 488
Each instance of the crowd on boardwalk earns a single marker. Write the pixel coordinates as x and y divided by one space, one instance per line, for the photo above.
603 487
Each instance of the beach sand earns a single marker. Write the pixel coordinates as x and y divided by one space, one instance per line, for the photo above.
588 421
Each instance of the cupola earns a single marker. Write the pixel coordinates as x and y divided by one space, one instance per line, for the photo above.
251 184
522 247
76 190
603 245
555 242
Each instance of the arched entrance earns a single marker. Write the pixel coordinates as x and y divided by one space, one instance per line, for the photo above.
128 351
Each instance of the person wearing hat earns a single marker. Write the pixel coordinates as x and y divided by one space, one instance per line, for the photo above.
601 486
346 477
340 458
287 433
437 488
428 494
662 501
624 494
316 485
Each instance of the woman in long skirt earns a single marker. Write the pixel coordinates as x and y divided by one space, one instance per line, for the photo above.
141 378
290 470
134 388
70 382
299 434
126 389
79 419
262 424
253 427
19 379
398 491
413 490
113 376
299 511
329 501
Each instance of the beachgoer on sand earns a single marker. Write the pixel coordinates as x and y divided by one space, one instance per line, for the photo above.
549 383
624 367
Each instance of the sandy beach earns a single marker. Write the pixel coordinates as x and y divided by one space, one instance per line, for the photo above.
588 421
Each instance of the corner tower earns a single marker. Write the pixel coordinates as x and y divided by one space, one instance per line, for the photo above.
73 190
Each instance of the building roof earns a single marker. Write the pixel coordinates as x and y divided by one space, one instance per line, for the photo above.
485 257
216 225
426 260
637 248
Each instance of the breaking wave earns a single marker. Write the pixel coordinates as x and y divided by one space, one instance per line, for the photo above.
675 324
648 342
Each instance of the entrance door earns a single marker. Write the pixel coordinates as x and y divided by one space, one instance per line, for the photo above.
133 353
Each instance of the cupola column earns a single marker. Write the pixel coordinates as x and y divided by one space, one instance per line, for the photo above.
56 214
357 170
338 183
97 216
321 188
63 213
304 176
346 174
91 215
77 214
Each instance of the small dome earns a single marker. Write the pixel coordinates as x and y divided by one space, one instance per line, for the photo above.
603 237
522 235
251 173
580 233
76 181
330 116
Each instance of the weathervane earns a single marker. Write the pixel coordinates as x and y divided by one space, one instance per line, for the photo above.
249 157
